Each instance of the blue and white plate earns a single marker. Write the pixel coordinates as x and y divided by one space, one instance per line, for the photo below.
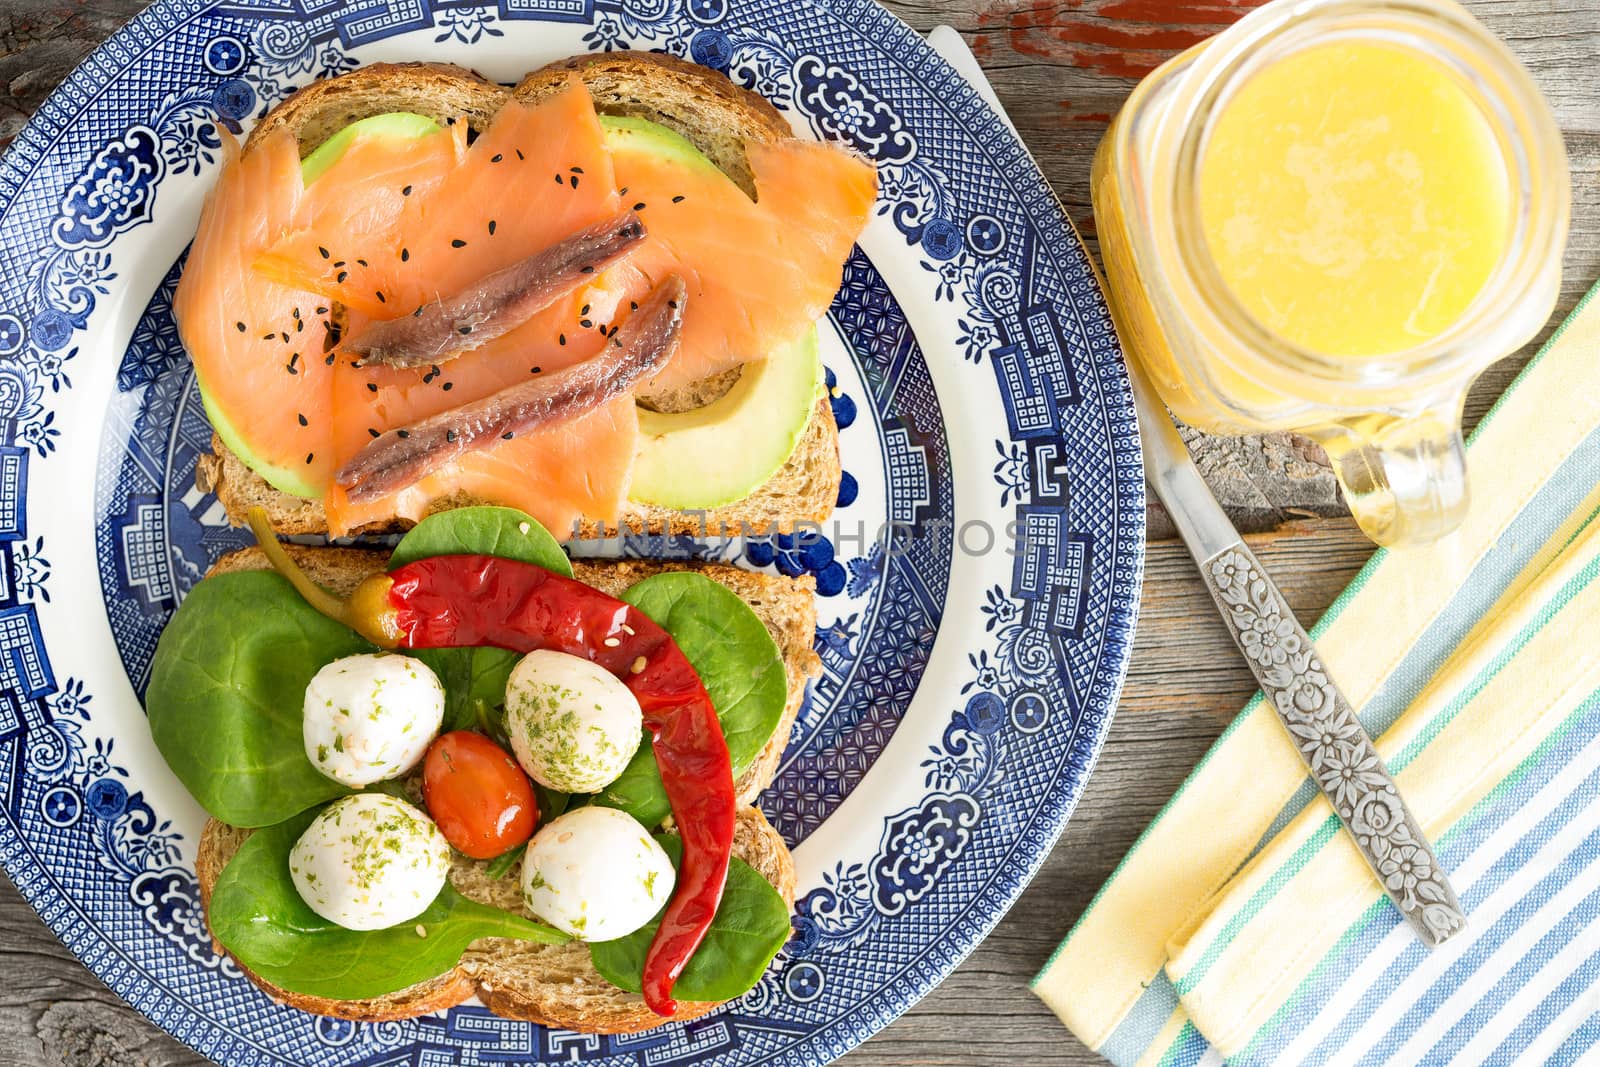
978 588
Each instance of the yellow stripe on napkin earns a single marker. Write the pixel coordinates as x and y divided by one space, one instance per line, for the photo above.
1519 676
1174 874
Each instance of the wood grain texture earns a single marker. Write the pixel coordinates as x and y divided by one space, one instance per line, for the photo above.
1061 67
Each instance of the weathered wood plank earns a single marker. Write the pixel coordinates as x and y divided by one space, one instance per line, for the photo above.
1062 68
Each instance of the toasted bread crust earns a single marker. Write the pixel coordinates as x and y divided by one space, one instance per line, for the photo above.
442 91
555 985
717 116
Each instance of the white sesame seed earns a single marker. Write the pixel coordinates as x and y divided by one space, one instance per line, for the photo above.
638 665
523 527
422 931
613 642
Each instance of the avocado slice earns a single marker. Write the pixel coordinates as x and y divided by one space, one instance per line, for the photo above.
398 125
704 458
720 453
625 133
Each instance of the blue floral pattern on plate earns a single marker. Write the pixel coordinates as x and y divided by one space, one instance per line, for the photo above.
1007 699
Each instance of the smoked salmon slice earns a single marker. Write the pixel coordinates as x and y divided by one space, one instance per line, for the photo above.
257 345
390 227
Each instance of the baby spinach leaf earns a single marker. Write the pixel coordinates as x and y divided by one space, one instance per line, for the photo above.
751 925
259 916
506 862
482 531
738 663
474 682
226 690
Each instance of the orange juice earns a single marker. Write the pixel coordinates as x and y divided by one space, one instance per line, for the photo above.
1329 218
1353 199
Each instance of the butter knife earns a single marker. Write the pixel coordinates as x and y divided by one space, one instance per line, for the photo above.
1323 726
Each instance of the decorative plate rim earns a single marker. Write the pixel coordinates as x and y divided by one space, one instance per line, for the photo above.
57 115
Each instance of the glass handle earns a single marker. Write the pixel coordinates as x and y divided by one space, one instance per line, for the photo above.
1405 479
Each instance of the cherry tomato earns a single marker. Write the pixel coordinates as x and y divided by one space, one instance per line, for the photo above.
478 795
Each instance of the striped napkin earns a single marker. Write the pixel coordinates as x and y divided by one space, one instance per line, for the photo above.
1244 926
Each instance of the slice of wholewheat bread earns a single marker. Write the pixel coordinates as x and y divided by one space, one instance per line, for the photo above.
555 984
715 115
787 607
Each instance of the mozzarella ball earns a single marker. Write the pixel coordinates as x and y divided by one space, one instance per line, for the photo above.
573 725
370 861
371 717
596 874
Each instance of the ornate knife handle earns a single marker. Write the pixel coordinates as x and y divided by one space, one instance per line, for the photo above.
1335 746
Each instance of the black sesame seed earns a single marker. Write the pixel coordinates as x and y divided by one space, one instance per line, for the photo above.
584 310
239 326
379 294
448 386
520 155
340 279
463 330
293 359
417 314
458 243
587 324
589 269
561 338
574 181
576 170
322 311
450 436
302 419
508 435
405 190
405 254
363 262
623 191
299 325
491 227
402 434
331 357
673 304
284 336
339 263
560 180
497 157
323 252
372 387
373 432
268 336
535 370
677 200
310 456
639 206
633 305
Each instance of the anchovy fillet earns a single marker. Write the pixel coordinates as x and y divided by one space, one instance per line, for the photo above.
498 303
639 348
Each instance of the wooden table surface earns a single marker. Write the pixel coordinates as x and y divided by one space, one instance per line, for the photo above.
1062 68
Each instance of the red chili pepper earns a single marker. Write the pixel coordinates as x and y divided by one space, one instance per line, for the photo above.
465 601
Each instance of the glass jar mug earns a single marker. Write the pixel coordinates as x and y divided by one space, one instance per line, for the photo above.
1330 218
